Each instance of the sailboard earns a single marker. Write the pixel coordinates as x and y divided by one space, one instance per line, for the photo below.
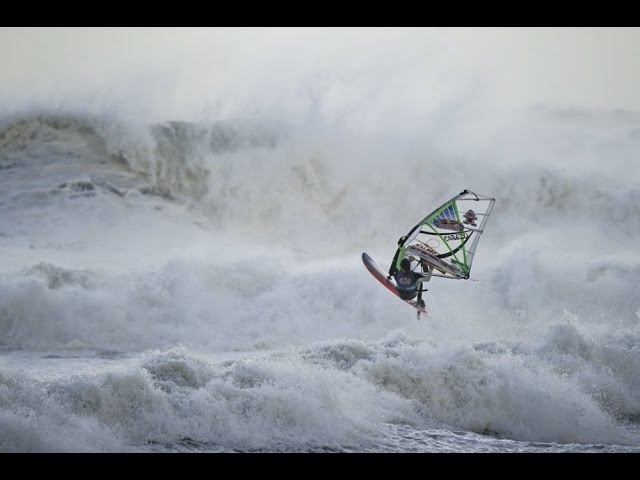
389 283
445 240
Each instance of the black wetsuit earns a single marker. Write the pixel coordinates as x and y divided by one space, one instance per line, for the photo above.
406 284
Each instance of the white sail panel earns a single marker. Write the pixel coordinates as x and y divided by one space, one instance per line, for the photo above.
447 238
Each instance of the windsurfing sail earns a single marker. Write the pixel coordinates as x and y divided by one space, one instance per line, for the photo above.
447 238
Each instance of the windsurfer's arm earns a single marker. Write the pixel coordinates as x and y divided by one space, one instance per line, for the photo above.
427 271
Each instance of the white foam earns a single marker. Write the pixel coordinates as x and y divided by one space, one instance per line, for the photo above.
229 235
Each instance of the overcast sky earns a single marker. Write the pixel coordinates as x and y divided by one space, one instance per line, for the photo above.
514 67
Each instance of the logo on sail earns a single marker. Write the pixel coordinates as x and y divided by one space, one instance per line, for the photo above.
470 218
448 224
447 220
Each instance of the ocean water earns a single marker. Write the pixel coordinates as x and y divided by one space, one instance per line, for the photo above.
196 286
183 213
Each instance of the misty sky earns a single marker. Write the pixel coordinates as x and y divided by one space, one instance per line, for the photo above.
191 68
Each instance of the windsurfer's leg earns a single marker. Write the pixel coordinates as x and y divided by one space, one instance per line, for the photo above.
419 287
